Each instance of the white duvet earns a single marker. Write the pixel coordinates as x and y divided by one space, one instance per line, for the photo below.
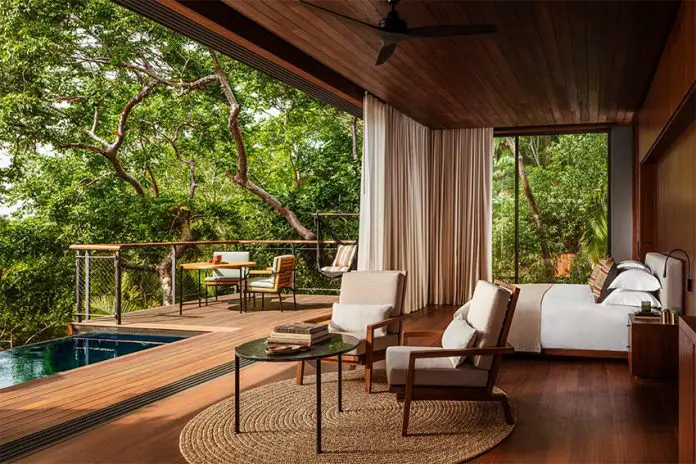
570 319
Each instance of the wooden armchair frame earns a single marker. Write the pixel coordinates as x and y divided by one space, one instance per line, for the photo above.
370 356
277 290
410 392
367 359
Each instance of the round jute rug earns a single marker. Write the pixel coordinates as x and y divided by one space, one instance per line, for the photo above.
278 423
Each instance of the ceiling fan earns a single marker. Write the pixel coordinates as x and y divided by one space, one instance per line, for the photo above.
392 29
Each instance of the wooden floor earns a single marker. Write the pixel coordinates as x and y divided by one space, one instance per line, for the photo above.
39 404
583 411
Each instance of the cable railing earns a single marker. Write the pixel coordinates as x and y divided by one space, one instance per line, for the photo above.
116 278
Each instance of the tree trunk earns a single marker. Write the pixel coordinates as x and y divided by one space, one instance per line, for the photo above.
536 214
242 178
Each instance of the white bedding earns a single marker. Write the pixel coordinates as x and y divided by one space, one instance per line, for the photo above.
570 319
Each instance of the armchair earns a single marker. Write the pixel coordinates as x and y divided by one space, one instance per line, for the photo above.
228 277
281 277
464 374
370 288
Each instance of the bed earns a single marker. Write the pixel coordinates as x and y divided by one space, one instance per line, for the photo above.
563 319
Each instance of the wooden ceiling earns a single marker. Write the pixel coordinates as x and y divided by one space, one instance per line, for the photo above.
551 63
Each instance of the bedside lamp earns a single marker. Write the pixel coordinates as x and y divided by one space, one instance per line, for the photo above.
689 280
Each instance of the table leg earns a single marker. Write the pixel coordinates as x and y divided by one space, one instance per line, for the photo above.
206 290
181 291
318 370
199 288
340 385
236 394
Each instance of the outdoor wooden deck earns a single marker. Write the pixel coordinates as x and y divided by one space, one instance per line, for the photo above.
37 405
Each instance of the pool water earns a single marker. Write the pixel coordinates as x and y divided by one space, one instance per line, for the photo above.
31 362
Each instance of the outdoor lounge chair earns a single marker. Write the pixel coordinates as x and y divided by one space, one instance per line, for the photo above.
371 288
464 374
228 277
281 276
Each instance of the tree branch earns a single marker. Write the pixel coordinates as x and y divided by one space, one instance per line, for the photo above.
241 178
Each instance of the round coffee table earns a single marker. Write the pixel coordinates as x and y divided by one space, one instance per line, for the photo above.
255 350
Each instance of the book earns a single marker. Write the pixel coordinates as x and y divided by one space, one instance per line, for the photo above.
285 349
289 341
299 336
300 328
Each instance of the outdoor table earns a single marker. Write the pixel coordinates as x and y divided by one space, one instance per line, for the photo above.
210 266
255 350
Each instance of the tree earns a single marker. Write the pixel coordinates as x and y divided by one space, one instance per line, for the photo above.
121 131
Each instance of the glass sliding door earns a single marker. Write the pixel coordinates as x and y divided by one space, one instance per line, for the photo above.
550 206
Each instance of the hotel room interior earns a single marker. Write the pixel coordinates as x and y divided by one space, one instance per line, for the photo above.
527 369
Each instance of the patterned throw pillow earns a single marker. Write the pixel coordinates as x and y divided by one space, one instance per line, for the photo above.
602 275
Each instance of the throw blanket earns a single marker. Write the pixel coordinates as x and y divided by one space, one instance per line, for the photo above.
525 332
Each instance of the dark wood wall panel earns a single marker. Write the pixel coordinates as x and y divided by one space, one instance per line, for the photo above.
562 62
675 202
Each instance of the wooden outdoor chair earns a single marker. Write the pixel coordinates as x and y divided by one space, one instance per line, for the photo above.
228 277
433 373
281 276
370 288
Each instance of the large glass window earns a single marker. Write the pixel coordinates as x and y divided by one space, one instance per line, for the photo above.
550 206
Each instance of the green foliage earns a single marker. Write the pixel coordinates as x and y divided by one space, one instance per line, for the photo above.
568 175
63 70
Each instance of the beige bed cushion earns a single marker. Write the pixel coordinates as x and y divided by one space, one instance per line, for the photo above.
431 371
486 314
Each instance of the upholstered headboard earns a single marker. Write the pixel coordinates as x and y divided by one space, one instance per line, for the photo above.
672 293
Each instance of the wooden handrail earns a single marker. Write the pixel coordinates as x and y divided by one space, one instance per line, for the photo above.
123 246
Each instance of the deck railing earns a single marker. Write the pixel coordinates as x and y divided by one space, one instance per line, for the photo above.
111 279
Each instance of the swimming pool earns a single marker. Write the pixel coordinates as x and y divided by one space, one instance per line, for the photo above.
31 362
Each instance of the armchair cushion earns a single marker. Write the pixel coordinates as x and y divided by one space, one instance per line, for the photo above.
458 334
462 312
231 257
378 344
487 314
375 287
356 318
266 282
432 371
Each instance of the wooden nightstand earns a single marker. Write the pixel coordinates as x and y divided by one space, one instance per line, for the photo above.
653 349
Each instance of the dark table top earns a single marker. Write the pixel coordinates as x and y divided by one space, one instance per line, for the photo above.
335 345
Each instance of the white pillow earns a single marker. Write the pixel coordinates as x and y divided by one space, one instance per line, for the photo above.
458 335
631 298
632 264
636 279
462 311
356 317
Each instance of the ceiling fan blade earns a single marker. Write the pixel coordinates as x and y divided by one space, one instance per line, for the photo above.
450 31
341 16
385 53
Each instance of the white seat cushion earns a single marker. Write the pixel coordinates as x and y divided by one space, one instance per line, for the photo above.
232 280
432 371
231 257
487 314
266 282
379 343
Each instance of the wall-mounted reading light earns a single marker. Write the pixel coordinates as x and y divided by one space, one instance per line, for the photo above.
689 281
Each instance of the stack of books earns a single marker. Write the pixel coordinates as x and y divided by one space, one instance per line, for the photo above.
299 333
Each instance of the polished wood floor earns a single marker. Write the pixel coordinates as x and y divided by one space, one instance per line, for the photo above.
36 405
570 410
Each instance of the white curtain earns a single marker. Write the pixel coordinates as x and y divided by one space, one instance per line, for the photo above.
425 205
